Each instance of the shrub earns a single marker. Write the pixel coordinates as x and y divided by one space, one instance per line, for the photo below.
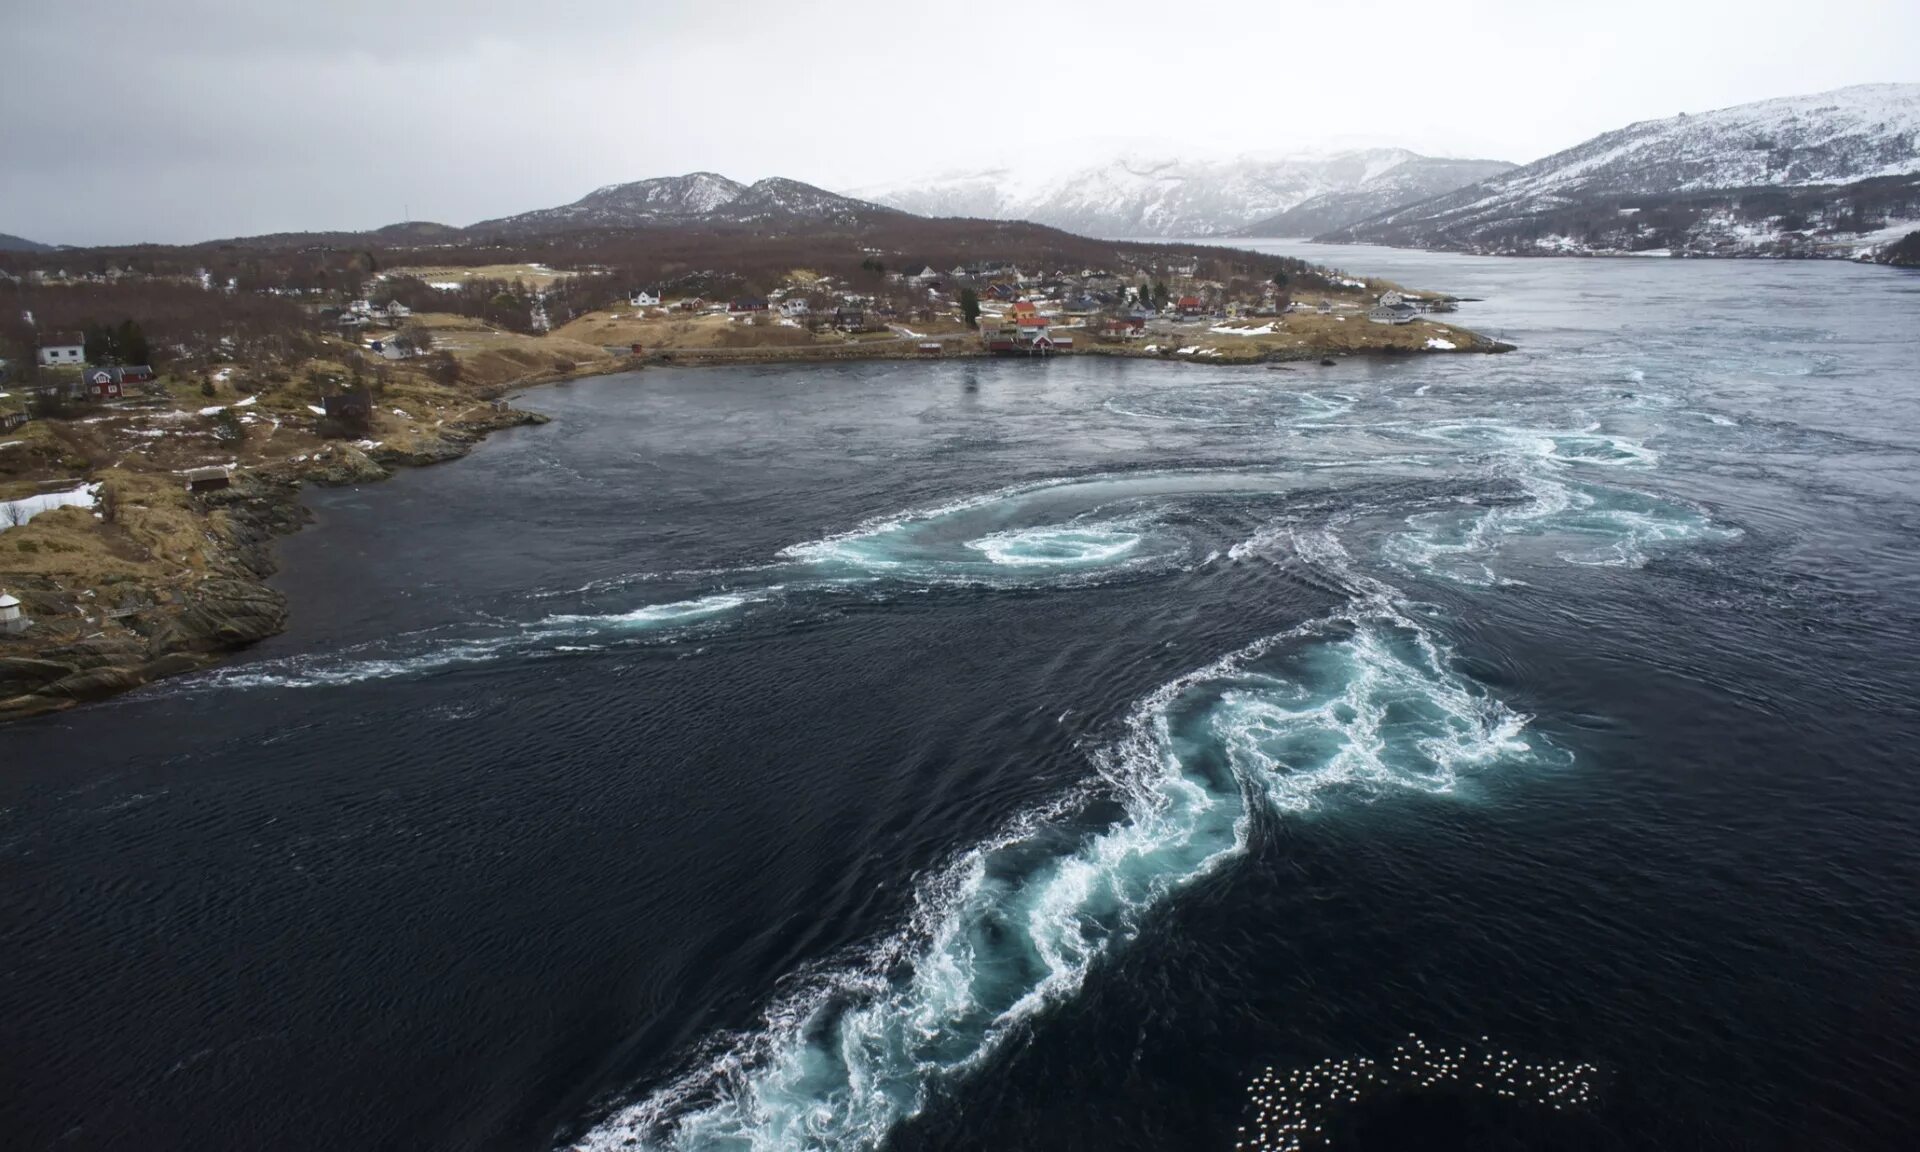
227 427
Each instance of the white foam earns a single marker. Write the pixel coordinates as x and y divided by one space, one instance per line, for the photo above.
1057 545
1463 545
1365 704
675 612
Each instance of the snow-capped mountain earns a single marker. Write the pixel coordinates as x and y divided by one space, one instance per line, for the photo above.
1825 173
698 197
777 199
1147 196
1412 180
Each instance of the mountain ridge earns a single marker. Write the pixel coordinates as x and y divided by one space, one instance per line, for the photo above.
1167 196
693 198
1794 175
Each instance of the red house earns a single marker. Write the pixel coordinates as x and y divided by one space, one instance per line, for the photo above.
1190 306
101 383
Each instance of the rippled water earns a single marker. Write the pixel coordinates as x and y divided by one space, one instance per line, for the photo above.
1033 755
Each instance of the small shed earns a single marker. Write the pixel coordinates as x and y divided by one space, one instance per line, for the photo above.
208 479
350 406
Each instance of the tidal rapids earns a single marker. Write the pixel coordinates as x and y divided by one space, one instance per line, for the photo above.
1036 755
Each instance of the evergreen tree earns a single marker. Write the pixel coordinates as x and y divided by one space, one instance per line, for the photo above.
970 307
130 344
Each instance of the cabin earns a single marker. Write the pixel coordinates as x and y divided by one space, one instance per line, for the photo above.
644 299
208 479
745 304
101 383
793 308
349 407
1189 306
1391 313
849 319
1125 327
63 354
135 374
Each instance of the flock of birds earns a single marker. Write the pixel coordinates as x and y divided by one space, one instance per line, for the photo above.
1290 1113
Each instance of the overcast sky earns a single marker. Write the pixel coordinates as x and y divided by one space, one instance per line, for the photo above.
181 120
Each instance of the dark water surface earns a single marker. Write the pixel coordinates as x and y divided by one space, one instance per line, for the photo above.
1006 755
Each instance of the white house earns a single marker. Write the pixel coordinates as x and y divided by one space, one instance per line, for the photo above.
644 299
55 354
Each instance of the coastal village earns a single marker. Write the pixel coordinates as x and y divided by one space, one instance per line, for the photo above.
141 485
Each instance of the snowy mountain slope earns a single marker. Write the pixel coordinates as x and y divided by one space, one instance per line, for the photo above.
777 199
1159 196
1418 178
698 197
1707 182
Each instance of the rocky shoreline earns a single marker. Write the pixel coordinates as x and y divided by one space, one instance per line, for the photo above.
80 652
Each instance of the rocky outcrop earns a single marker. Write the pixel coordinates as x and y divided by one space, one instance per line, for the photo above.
222 614
167 631
22 674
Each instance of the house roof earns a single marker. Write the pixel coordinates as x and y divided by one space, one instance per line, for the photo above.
1032 321
7 601
1023 307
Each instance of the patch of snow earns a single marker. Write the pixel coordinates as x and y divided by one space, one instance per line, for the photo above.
1227 330
1440 344
445 285
27 507
316 410
248 402
213 410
